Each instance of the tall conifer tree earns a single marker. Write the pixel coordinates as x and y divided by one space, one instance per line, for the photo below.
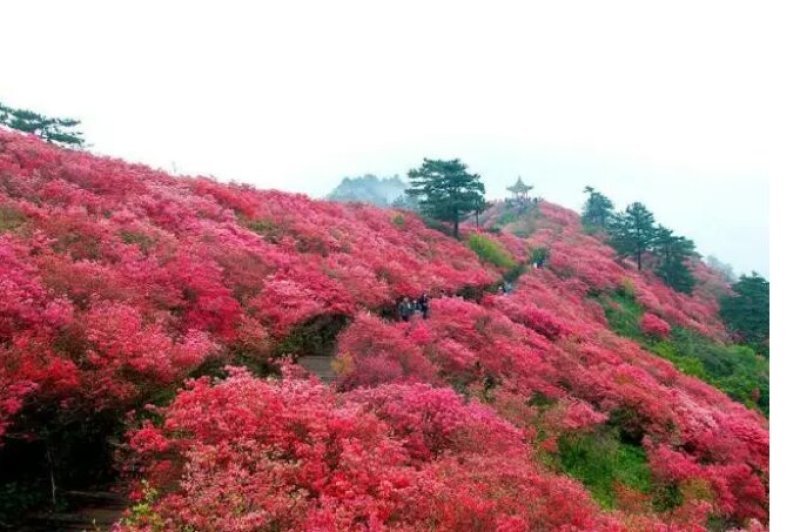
633 232
446 191
598 210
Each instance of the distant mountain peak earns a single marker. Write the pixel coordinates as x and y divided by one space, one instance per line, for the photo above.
369 188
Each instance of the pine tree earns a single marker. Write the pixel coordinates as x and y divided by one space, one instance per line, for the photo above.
746 312
478 207
632 232
60 131
445 190
598 210
673 252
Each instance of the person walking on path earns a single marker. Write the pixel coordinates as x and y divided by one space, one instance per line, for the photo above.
424 305
406 309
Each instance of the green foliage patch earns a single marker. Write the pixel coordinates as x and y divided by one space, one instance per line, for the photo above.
601 461
490 251
623 313
735 369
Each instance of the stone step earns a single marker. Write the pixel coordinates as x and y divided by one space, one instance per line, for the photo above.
88 511
319 366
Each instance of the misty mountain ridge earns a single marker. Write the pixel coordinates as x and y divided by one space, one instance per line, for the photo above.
369 188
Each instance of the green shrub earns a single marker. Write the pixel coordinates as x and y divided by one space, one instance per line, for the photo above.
143 514
514 273
734 369
600 460
686 364
623 314
506 218
539 255
490 251
667 497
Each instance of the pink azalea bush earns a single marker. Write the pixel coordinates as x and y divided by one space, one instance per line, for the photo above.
654 326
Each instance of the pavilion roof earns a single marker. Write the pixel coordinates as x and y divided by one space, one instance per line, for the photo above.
519 186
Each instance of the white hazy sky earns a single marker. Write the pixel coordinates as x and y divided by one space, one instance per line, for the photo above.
665 105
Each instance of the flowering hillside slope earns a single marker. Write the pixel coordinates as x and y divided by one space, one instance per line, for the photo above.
132 301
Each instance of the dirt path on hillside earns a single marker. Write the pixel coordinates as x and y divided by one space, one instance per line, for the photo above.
86 511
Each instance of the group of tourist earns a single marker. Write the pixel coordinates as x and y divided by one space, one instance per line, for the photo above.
505 288
407 307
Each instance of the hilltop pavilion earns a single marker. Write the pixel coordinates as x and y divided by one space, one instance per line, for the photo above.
520 190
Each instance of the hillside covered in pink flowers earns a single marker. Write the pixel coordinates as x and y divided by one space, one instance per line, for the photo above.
150 325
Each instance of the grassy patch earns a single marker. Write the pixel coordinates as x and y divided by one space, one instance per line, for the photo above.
686 364
490 251
602 462
623 314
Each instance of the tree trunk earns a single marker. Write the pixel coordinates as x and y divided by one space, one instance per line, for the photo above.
455 228
52 467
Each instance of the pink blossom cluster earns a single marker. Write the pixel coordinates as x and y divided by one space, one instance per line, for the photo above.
654 326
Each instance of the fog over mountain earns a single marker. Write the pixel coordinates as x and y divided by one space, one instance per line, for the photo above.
380 191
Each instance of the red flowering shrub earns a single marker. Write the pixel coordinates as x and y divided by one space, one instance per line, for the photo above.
247 454
654 326
432 421
373 352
